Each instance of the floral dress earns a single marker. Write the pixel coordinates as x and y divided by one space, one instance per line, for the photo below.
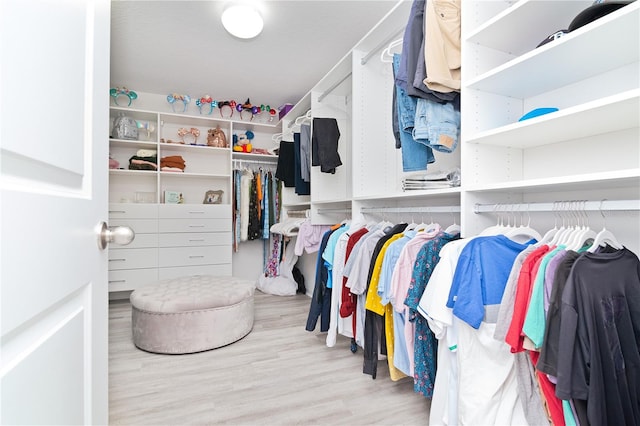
425 343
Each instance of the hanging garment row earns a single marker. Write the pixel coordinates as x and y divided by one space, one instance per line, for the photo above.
488 312
355 281
256 203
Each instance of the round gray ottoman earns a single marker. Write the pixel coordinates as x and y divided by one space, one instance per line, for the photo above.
191 314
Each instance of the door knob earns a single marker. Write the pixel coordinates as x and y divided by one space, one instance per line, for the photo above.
120 235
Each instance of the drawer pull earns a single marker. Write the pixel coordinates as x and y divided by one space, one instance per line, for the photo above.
196 257
117 211
117 281
196 226
196 241
194 212
117 260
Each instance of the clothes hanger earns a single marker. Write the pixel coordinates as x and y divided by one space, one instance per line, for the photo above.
386 55
584 235
453 229
604 236
523 233
551 232
499 227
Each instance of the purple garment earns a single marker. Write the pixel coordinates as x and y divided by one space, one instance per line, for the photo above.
548 277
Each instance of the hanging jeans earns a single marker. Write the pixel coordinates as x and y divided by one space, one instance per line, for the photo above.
415 156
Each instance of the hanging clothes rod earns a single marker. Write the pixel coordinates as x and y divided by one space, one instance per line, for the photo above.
332 88
261 162
328 211
433 209
386 41
299 213
566 205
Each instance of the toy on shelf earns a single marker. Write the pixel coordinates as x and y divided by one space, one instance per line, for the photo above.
217 138
242 143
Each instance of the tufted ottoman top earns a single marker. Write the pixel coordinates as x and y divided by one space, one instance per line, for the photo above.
191 294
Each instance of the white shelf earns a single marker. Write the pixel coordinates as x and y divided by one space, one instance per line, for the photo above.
615 36
193 175
182 147
610 114
521 15
242 156
132 143
126 172
414 194
584 182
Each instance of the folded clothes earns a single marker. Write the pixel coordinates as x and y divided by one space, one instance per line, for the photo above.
171 169
147 153
147 166
173 161
153 165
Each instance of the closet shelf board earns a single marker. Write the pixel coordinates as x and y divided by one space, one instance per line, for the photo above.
256 157
131 144
610 114
180 175
521 16
182 147
126 172
408 195
573 54
209 120
629 178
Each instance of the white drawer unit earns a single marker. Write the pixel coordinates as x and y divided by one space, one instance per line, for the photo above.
123 280
133 258
194 239
171 241
189 271
187 256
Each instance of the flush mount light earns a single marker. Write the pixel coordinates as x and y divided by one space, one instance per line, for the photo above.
242 21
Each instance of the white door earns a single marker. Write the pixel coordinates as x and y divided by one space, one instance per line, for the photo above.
54 185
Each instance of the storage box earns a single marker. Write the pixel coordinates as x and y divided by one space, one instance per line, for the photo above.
284 109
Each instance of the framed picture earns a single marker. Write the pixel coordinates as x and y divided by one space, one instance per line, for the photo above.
173 197
213 197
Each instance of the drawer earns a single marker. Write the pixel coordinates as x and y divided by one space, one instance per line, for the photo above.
185 211
142 241
131 210
130 279
133 258
223 270
195 239
139 226
194 225
188 256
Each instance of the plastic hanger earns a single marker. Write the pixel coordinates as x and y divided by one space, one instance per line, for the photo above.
453 229
583 236
499 227
523 233
386 55
604 236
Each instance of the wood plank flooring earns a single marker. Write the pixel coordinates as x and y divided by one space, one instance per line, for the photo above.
279 374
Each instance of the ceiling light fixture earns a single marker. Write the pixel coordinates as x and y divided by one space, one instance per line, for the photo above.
242 21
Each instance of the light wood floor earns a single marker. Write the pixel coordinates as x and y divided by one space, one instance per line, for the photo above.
279 374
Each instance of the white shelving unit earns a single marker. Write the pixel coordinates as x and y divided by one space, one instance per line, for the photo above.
175 239
588 149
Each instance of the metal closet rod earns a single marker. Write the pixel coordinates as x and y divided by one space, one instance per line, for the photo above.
298 213
422 209
326 211
375 50
566 205
331 89
261 162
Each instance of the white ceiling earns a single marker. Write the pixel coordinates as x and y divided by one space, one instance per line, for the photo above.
181 47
